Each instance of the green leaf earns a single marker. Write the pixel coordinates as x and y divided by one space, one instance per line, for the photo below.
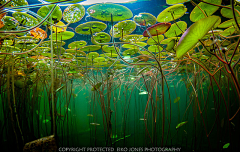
197 14
226 145
194 33
176 100
181 124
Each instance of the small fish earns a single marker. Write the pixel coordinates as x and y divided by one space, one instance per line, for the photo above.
95 124
90 115
142 119
142 93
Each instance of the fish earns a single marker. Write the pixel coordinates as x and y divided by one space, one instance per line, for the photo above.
142 93
95 124
90 115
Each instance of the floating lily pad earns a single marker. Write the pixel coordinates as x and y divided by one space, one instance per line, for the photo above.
145 19
43 49
92 55
134 45
229 23
99 59
109 12
172 13
55 43
58 50
90 27
26 39
130 52
133 38
25 46
90 48
155 40
110 49
73 13
9 49
14 3
166 41
112 55
174 29
25 19
62 35
100 37
229 31
77 44
38 33
170 2
208 9
228 13
68 56
10 23
155 48
59 29
7 42
55 16
123 28
195 32
157 29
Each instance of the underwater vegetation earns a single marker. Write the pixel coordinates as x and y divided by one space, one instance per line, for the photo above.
139 74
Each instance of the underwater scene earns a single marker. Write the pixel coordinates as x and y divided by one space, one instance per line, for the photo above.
119 75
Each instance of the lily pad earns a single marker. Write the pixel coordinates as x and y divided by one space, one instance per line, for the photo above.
155 40
55 43
100 37
172 13
133 38
229 23
9 49
25 19
134 45
157 29
92 55
130 52
90 27
208 9
10 23
194 33
73 13
171 2
110 49
77 44
109 12
228 13
26 39
90 48
155 48
145 19
62 35
56 14
123 28
176 29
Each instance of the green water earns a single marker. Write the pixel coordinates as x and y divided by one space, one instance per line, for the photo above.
165 79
